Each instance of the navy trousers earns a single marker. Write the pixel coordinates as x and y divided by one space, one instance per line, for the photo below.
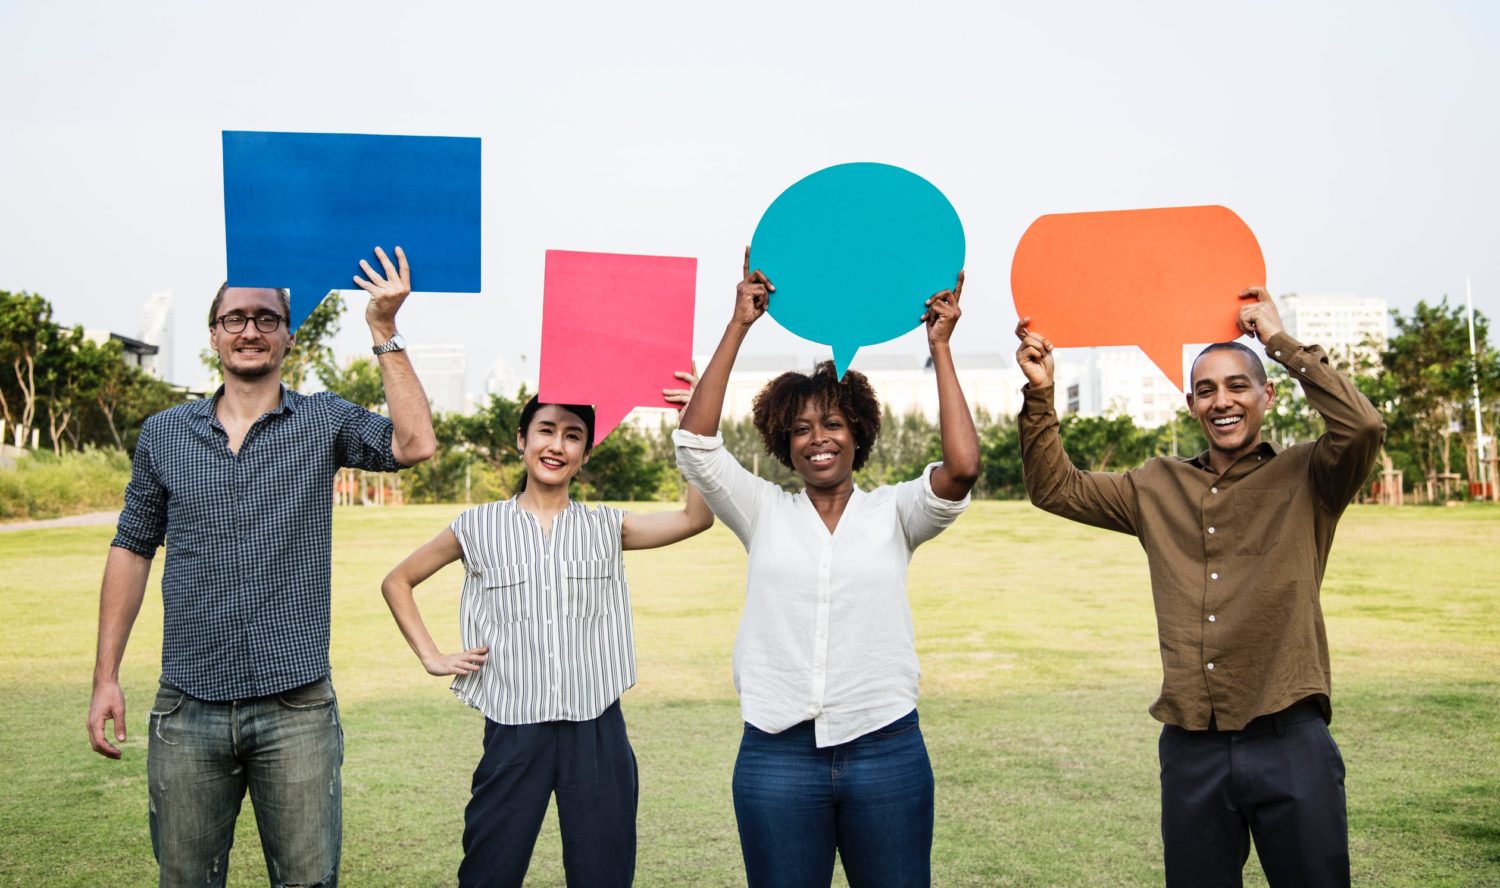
1280 780
591 768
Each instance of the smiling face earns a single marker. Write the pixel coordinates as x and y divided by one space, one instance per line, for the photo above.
822 445
555 446
1230 399
250 354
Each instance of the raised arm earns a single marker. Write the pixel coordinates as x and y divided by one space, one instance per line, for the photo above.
751 297
960 468
412 440
664 528
1053 483
397 587
1343 457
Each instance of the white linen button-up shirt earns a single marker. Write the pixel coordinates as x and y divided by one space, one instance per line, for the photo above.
827 634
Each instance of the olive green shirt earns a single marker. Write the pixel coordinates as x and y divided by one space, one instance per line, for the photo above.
1237 558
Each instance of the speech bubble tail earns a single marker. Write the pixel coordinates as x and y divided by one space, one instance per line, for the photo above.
607 417
1167 356
843 356
303 304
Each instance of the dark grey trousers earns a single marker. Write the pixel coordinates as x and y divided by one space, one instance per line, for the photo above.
1280 781
591 768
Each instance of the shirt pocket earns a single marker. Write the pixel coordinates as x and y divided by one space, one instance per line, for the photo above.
1260 516
590 583
506 598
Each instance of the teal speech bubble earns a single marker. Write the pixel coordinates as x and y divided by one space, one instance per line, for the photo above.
854 251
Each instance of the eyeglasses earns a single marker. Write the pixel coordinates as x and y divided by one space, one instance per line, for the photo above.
235 323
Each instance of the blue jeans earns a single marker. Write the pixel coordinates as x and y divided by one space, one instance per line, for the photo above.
285 748
870 799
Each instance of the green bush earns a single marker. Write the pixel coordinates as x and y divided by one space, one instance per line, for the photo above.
46 486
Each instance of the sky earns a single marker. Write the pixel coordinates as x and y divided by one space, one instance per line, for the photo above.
1359 141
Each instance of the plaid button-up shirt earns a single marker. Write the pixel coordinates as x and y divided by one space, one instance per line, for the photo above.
246 583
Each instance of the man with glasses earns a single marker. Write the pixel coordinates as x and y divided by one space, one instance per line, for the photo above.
240 486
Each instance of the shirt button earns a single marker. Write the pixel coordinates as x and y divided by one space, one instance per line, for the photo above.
1210 667
1301 369
1212 619
1278 353
1210 530
1213 576
1213 490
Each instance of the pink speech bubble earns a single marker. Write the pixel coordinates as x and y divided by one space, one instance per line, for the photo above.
1158 279
615 327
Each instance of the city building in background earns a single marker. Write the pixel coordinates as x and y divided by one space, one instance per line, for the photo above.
138 354
503 380
441 368
1116 380
1352 329
158 328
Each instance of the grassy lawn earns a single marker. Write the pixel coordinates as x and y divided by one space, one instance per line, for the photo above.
1039 659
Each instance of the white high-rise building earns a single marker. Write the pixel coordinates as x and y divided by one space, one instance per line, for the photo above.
159 329
1116 379
442 370
1347 326
504 381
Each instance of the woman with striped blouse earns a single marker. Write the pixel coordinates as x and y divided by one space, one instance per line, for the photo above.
545 622
832 759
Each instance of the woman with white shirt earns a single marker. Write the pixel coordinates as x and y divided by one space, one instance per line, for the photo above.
545 618
832 758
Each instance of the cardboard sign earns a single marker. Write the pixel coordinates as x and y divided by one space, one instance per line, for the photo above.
1159 279
615 328
301 210
854 251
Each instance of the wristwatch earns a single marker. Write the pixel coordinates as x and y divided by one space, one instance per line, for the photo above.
394 344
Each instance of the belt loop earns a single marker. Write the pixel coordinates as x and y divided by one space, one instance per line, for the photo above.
1278 720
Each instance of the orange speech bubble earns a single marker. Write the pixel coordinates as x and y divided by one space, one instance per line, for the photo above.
1159 279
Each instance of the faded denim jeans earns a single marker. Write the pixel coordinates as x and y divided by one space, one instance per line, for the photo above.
285 748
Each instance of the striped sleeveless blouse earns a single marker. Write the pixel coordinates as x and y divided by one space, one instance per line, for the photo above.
554 610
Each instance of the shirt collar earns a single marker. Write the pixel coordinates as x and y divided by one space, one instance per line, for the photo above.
1264 449
205 407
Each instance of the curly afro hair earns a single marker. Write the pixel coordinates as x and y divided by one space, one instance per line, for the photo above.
776 407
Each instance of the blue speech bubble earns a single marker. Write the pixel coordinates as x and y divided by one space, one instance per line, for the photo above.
301 210
854 251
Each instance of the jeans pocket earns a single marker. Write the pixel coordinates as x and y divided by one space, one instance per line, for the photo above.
313 695
903 725
168 703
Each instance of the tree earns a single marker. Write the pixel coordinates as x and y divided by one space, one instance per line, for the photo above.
1290 420
25 325
72 369
1425 383
358 383
620 468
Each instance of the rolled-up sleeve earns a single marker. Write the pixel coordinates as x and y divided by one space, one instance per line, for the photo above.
363 438
733 493
924 514
143 520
